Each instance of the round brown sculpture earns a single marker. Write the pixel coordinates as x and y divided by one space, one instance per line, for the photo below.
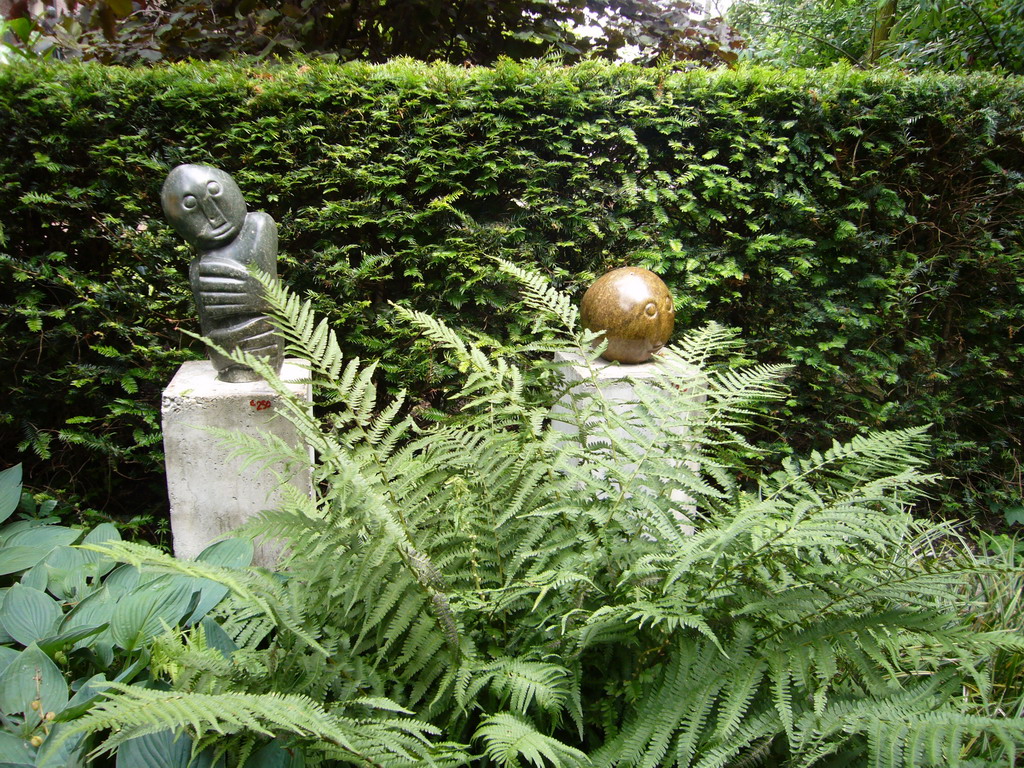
634 309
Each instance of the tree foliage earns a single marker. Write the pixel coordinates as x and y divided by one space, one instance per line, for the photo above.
456 31
952 35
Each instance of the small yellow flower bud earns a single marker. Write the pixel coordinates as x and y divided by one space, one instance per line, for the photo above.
36 741
36 704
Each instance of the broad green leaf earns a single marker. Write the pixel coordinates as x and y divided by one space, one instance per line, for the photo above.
122 580
93 611
121 8
44 536
19 526
101 533
58 752
32 677
273 755
210 593
163 749
23 28
5 639
144 613
15 751
231 553
14 559
133 670
90 692
29 615
217 638
10 491
1014 515
100 564
67 569
7 655
51 645
35 577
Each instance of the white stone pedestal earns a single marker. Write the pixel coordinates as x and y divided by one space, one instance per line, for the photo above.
210 493
616 384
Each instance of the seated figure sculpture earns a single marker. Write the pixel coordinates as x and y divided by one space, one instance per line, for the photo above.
205 207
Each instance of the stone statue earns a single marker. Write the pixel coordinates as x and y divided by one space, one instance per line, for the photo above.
205 207
634 309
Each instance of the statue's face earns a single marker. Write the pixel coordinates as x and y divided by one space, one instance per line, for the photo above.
204 205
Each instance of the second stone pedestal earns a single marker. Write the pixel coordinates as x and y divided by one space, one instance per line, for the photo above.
210 492
616 384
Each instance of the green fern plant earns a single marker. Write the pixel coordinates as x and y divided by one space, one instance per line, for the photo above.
489 589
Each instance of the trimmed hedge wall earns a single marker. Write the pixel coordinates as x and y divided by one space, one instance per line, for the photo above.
867 228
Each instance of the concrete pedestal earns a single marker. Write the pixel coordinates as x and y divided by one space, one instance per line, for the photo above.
210 492
616 384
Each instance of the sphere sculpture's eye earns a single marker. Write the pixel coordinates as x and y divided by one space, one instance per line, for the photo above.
213 188
651 310
189 201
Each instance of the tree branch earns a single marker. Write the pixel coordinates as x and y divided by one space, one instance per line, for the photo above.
803 33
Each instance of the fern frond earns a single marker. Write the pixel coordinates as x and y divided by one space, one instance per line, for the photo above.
296 323
521 683
698 346
541 297
139 711
253 588
508 738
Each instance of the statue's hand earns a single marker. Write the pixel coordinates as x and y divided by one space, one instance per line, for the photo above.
251 334
225 289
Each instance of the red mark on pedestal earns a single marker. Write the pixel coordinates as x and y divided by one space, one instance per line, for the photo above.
260 405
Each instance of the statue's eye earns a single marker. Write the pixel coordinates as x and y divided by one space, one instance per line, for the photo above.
189 201
213 188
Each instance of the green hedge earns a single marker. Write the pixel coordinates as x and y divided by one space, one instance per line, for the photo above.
867 228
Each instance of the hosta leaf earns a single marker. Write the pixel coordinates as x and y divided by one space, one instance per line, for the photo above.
29 615
217 638
15 751
7 655
51 645
93 611
231 553
163 749
60 752
43 536
14 559
32 677
122 580
90 692
144 613
66 572
273 755
210 593
36 577
10 491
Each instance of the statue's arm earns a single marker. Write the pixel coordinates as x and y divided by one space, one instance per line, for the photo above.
263 243
224 288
